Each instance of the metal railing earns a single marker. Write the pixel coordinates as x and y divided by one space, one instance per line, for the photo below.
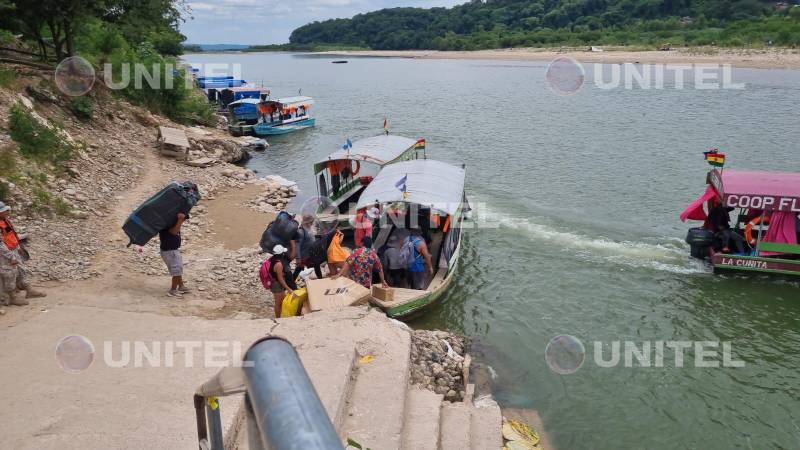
282 407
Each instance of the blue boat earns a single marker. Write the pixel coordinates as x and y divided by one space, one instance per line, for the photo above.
218 82
284 115
244 110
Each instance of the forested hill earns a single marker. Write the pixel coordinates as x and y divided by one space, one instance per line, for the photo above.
515 23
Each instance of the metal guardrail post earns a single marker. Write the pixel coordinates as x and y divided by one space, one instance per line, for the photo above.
285 404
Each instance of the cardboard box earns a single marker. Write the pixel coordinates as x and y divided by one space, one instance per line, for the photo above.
328 293
384 294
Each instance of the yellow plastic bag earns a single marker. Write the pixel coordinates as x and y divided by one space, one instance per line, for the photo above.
293 302
337 253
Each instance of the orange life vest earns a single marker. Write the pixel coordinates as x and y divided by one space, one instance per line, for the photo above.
9 235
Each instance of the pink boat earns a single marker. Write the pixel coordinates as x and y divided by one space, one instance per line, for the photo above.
764 234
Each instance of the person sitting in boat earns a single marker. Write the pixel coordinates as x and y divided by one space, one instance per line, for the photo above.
719 222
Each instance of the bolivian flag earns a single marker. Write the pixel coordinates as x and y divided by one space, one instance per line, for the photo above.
420 144
715 158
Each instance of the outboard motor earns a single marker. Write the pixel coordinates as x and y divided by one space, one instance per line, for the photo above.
700 240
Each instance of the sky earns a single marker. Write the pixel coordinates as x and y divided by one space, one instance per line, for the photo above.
272 21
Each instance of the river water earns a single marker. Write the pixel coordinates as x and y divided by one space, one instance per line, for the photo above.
578 198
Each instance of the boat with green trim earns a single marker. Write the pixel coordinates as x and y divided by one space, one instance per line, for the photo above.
428 195
344 174
764 237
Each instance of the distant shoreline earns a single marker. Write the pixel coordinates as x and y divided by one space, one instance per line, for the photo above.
745 58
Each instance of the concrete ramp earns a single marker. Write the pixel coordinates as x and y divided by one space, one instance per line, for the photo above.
107 407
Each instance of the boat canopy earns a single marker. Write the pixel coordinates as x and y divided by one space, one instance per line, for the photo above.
770 191
248 101
294 101
427 182
380 150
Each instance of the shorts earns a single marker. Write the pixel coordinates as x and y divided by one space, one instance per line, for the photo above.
276 287
396 276
174 262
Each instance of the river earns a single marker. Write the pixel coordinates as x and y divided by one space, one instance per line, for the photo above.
578 199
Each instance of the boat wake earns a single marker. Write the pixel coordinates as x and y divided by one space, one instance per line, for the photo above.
670 256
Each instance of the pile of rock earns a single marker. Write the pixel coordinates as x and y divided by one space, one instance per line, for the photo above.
274 198
224 150
437 362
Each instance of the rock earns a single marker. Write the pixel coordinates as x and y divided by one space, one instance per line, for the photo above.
70 192
233 291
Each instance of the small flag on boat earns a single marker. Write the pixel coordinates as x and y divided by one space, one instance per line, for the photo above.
402 185
386 125
715 158
347 145
420 144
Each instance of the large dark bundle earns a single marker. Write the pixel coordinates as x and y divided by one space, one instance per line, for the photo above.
282 230
160 211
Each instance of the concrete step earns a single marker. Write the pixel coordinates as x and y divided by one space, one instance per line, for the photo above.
486 424
330 369
423 409
376 408
455 432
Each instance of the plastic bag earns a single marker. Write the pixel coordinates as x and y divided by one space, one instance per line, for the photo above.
293 302
337 253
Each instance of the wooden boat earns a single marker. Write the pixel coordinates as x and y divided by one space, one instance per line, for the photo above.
410 189
766 204
345 173
284 115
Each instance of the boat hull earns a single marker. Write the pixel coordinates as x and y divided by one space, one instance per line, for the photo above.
263 129
756 264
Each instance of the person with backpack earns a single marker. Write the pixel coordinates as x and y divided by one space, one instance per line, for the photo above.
307 244
12 276
394 262
276 275
421 265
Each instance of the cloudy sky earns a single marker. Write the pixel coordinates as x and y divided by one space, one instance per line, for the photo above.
271 21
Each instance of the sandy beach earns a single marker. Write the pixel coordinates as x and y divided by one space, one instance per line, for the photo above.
749 58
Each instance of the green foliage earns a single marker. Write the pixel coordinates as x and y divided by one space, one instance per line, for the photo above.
7 77
515 23
37 141
5 191
8 161
82 107
170 93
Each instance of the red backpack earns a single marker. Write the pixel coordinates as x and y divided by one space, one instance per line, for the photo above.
265 274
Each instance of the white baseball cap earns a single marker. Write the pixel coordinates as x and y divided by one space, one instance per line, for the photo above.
279 250
4 207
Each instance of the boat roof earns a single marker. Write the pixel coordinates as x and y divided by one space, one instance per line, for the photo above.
291 100
430 183
380 150
763 183
247 89
253 101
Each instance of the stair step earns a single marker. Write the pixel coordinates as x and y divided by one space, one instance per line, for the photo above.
375 409
330 369
486 424
455 433
423 409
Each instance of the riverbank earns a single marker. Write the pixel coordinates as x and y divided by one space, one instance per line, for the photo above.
745 58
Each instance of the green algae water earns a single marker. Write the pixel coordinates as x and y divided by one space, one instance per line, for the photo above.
580 197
